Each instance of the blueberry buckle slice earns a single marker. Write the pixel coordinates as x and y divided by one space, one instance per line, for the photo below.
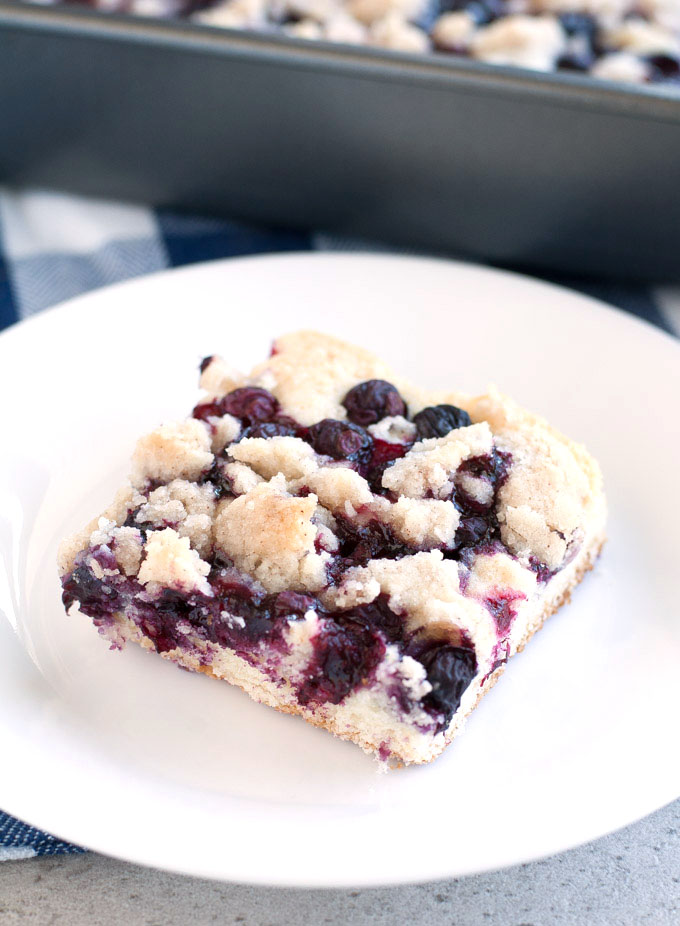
340 544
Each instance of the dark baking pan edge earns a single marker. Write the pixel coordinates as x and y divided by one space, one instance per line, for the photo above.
550 173
636 101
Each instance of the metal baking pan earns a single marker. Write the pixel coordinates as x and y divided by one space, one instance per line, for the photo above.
552 172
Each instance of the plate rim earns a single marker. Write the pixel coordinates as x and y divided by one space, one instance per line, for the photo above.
19 329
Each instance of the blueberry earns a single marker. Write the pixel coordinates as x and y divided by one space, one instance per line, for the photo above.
83 586
339 439
286 603
450 6
232 586
344 656
361 543
438 420
289 18
481 11
578 24
236 595
221 485
284 427
379 615
382 455
450 669
484 11
576 61
85 580
471 531
372 401
251 404
206 410
503 608
665 67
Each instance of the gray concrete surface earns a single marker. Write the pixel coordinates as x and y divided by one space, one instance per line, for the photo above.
630 878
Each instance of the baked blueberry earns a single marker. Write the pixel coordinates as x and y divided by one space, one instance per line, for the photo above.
370 402
450 669
281 427
438 420
576 61
251 404
341 440
665 67
578 24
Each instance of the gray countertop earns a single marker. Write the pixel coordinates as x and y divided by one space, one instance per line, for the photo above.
629 878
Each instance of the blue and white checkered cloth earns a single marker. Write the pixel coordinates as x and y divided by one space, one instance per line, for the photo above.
53 247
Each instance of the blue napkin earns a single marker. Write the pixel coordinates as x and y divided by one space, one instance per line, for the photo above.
53 247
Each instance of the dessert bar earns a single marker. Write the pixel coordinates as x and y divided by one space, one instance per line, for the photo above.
341 544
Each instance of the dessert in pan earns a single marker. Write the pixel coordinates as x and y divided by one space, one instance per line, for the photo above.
634 41
341 544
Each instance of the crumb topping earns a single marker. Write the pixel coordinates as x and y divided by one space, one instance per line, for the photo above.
427 469
127 547
270 456
340 489
173 451
217 378
169 562
270 535
225 430
394 429
422 523
497 572
241 478
187 507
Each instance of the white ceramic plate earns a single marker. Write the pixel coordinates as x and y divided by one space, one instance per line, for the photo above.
123 753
